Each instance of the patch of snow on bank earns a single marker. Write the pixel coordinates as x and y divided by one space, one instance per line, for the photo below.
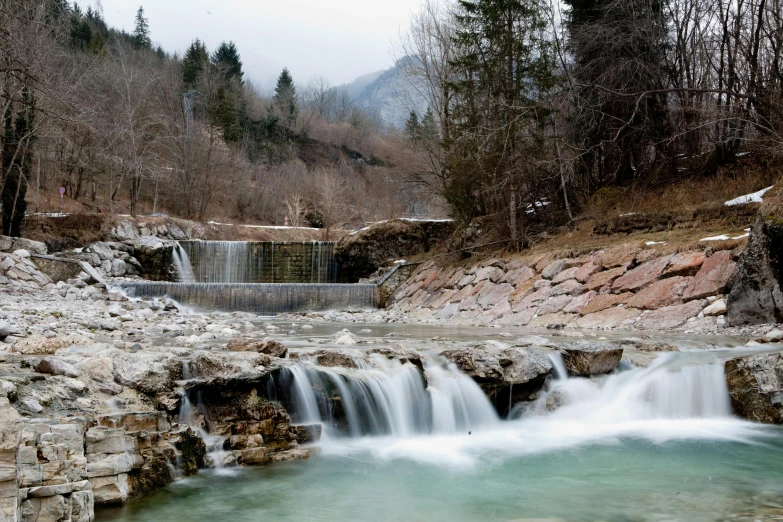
756 197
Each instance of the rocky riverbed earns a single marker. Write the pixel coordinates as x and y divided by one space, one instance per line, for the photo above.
104 398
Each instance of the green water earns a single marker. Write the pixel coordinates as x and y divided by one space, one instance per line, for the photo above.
618 480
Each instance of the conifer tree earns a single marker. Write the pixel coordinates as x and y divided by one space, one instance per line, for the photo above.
141 32
429 127
226 57
193 63
413 127
285 97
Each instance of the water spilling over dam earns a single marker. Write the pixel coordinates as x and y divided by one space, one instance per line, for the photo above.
261 277
260 298
256 262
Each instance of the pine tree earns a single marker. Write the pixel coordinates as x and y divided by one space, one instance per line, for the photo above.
141 33
429 127
226 57
193 63
285 98
413 127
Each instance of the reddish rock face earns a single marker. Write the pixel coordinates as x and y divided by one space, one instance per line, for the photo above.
613 257
570 287
670 316
492 294
532 299
661 293
585 272
544 321
641 276
713 277
684 264
602 279
462 294
518 276
604 301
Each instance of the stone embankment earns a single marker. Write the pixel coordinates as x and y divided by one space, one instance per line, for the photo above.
611 289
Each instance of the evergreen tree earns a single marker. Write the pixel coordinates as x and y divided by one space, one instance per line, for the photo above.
226 57
17 164
193 63
413 127
429 127
141 32
285 98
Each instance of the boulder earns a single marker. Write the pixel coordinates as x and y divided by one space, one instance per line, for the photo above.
716 308
35 247
670 316
500 366
56 366
553 268
586 358
661 293
684 264
755 385
118 268
603 301
713 277
565 275
615 317
269 347
601 279
617 257
586 271
756 296
147 372
641 276
209 365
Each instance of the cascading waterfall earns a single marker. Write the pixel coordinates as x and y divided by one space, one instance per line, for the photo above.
361 409
391 399
182 264
261 262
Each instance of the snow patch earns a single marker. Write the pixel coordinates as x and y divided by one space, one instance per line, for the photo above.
756 197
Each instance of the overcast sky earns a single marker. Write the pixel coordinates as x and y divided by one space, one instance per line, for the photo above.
337 39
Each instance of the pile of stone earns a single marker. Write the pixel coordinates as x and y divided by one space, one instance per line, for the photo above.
620 288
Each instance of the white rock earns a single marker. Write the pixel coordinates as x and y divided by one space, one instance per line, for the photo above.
716 308
774 336
21 253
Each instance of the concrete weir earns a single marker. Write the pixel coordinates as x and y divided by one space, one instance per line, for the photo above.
261 298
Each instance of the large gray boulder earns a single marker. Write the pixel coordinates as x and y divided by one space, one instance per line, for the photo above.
586 358
507 375
756 387
756 295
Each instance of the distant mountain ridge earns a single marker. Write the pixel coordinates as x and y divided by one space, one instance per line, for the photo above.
388 94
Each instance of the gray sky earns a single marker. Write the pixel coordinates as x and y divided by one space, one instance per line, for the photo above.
337 39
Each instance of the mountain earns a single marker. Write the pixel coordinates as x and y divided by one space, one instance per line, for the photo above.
388 94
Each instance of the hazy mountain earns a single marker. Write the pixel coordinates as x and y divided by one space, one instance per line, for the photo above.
387 94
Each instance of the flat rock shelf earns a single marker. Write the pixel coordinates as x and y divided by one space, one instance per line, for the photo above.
261 298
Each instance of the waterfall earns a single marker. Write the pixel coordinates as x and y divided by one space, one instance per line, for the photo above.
182 264
390 399
261 262
560 370
260 298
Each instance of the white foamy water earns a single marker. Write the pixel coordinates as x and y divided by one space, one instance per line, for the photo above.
182 264
391 415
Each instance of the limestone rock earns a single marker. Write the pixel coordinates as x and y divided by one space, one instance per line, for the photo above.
773 336
586 358
56 366
147 372
713 277
756 387
716 308
500 366
586 271
553 268
269 347
118 268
